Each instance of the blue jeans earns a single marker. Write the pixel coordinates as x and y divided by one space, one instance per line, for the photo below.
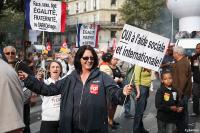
140 106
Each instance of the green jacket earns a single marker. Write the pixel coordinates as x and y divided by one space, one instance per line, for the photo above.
142 76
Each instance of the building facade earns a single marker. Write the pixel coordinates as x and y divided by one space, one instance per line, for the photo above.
103 13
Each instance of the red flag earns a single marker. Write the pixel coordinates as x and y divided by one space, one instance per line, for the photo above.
49 46
64 44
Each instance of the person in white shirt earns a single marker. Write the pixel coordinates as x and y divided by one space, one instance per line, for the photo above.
51 104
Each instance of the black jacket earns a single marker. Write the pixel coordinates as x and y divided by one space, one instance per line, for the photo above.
83 108
163 100
195 65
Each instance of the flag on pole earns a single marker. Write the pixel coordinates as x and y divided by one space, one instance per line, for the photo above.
64 44
45 15
64 48
48 46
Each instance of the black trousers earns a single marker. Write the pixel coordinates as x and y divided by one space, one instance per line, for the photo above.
49 127
196 104
196 97
27 118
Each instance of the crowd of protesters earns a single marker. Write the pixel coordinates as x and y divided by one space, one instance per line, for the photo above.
80 91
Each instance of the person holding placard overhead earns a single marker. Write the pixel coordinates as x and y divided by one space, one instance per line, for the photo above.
83 94
142 84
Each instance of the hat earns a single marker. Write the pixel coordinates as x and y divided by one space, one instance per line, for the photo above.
107 57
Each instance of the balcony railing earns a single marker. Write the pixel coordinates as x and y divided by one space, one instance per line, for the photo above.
102 23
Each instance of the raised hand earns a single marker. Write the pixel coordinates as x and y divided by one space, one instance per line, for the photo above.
22 75
127 90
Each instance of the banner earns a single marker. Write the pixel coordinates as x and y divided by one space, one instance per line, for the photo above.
87 35
141 47
45 15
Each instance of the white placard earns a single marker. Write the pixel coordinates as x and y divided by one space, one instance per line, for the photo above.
45 15
141 47
87 35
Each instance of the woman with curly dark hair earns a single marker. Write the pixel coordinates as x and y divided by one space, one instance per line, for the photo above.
83 94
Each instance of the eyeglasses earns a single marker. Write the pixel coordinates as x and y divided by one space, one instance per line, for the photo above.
10 53
87 58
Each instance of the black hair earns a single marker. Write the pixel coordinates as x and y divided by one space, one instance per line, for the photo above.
165 72
197 44
49 64
107 57
79 55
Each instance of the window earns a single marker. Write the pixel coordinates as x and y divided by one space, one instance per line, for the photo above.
113 18
95 4
112 34
113 2
76 7
85 6
95 17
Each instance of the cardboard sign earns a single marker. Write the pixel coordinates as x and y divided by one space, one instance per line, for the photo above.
46 15
141 47
87 35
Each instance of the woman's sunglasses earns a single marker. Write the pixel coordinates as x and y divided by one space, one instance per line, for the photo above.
87 58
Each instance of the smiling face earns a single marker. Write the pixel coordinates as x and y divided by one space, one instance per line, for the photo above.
55 70
87 60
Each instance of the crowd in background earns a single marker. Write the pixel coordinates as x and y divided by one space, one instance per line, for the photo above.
176 73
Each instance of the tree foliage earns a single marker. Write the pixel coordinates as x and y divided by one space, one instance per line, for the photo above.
141 13
15 5
11 20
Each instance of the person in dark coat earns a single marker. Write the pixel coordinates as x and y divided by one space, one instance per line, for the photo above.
195 65
167 103
83 101
182 82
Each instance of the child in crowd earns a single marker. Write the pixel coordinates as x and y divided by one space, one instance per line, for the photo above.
166 102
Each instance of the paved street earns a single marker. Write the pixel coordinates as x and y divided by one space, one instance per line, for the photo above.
126 124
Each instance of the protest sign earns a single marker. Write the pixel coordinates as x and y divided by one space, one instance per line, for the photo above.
141 47
45 15
87 35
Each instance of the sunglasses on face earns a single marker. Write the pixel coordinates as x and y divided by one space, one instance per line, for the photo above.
87 58
9 53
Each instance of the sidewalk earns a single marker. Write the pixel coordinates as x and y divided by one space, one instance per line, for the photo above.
150 122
